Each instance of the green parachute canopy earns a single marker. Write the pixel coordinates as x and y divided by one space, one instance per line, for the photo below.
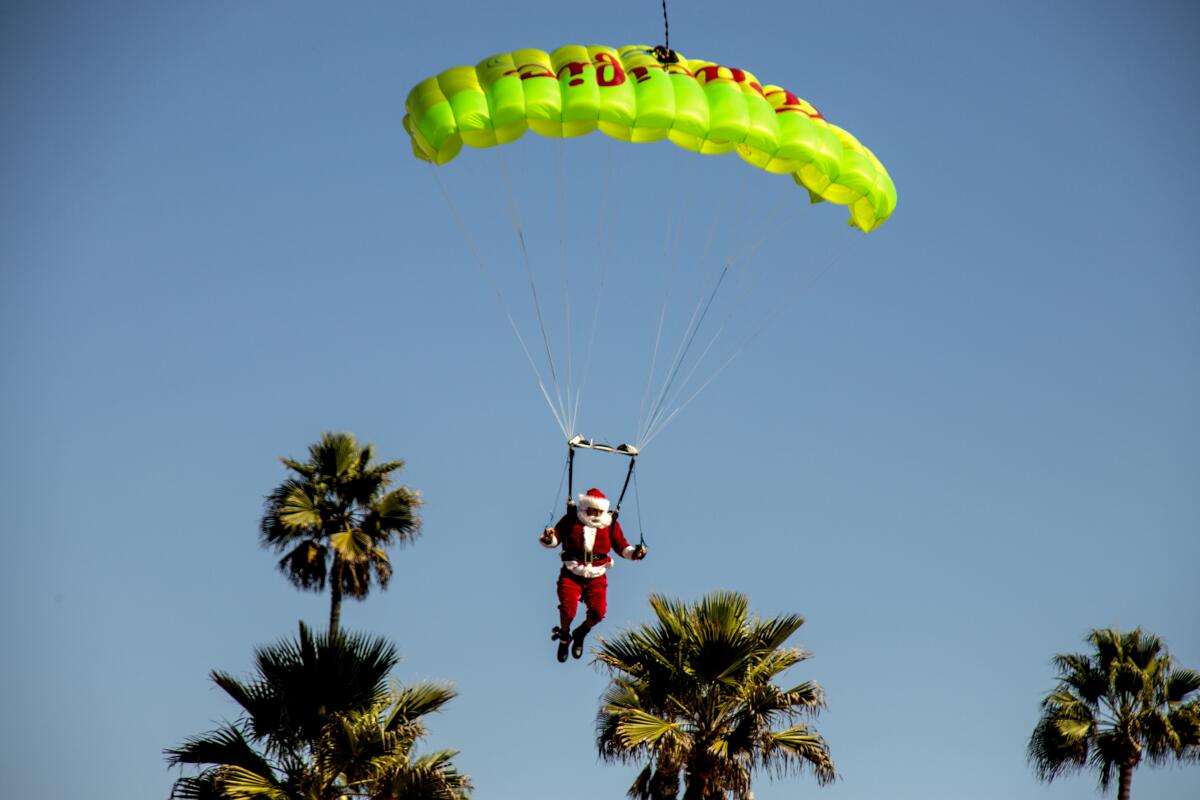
629 94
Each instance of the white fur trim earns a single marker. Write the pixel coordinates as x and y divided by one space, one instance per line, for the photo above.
587 501
589 537
586 570
605 520
628 552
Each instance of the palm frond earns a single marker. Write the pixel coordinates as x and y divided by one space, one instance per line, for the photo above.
352 545
335 454
197 787
274 532
410 703
640 788
300 511
325 725
1178 683
1109 750
305 565
1051 755
637 728
431 777
808 749
695 688
1113 708
225 745
772 633
808 695
238 783
396 514
335 515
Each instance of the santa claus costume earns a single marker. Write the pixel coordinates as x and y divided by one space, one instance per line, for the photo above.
587 538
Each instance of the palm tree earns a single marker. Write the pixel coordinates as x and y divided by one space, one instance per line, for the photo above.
333 518
692 699
1123 703
318 722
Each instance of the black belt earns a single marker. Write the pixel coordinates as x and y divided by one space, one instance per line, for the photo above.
594 560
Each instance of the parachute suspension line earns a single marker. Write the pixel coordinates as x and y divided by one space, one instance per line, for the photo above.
680 353
465 232
666 421
686 346
560 193
766 321
603 253
558 493
643 419
745 254
516 220
662 314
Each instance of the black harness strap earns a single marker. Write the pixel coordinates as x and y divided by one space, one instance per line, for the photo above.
617 510
620 499
628 475
570 478
638 497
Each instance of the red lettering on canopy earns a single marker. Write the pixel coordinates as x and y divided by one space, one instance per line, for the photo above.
527 71
718 72
608 70
574 69
710 73
792 103
641 74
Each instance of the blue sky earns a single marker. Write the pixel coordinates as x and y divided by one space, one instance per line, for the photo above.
957 444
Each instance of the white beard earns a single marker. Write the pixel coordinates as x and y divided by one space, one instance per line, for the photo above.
602 521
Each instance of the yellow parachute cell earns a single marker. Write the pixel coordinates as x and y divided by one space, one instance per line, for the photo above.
629 95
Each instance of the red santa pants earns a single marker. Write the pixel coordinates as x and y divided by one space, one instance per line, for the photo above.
594 592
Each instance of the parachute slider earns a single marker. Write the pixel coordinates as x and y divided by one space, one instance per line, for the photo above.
665 55
577 441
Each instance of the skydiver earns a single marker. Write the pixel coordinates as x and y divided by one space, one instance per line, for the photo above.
587 533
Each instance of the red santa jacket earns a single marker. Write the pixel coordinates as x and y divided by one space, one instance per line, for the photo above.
584 561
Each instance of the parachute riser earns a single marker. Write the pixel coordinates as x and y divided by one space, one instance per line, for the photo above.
579 442
663 52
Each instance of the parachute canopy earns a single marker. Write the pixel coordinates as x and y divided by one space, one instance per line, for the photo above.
628 94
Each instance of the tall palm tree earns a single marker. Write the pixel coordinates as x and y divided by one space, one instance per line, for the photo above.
333 518
692 698
318 722
1113 708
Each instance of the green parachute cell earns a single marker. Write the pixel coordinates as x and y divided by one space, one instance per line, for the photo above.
630 95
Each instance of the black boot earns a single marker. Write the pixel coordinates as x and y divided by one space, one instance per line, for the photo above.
563 635
577 640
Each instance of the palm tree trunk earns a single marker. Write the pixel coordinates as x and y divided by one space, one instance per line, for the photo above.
696 782
335 595
1124 779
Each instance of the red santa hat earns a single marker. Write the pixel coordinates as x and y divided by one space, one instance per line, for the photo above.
594 498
